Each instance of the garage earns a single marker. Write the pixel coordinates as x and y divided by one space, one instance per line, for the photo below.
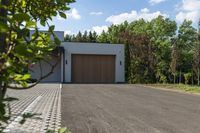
93 63
84 63
93 68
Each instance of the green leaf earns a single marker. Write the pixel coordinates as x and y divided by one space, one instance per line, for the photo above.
30 51
43 22
19 77
21 49
26 76
30 24
24 84
21 17
63 15
54 13
50 49
62 130
3 27
56 40
51 28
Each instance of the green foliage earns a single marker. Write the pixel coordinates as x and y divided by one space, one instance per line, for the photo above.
103 38
197 57
86 37
187 77
150 44
186 43
154 50
61 130
179 87
18 48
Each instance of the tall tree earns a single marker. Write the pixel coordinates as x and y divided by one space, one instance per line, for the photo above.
197 56
68 38
94 36
140 59
85 37
161 31
187 38
79 37
102 38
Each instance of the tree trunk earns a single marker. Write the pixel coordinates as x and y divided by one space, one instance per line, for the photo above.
3 20
1 88
198 76
180 77
174 78
192 77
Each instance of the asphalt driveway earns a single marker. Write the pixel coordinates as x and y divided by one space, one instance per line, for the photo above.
128 109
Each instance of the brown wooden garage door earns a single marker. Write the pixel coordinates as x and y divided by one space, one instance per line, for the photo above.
93 68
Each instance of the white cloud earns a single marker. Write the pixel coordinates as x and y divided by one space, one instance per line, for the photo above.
100 29
193 15
191 5
145 10
74 14
96 13
190 10
67 32
134 15
153 2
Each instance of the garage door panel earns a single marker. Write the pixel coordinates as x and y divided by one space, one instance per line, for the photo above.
93 68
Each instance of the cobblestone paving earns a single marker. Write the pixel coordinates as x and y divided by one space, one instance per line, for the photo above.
44 99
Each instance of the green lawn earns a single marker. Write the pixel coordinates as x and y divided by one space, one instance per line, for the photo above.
181 87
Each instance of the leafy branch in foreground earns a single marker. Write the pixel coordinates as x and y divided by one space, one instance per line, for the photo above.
19 49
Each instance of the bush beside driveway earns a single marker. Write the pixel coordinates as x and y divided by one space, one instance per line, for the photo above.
177 87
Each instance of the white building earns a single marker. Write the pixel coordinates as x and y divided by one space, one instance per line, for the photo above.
85 63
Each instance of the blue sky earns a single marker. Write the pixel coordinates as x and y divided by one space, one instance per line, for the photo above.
99 14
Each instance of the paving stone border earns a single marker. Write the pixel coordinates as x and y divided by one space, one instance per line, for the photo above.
44 99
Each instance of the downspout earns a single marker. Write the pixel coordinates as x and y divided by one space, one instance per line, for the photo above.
63 65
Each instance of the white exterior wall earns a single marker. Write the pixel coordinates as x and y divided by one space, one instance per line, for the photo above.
96 49
46 68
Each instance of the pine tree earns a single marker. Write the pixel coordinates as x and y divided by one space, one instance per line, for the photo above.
94 36
79 37
85 37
